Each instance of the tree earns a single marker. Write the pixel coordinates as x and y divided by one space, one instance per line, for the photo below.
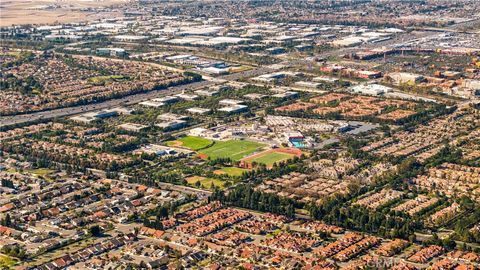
7 221
95 230
449 243
246 197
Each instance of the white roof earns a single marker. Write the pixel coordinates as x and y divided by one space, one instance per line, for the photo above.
375 89
233 108
130 37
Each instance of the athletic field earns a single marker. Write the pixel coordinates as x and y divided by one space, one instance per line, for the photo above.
272 156
234 149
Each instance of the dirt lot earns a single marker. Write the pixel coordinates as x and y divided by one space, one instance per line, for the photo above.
51 11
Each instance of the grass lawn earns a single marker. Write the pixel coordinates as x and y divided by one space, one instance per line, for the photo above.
10 53
271 157
232 171
7 261
194 143
239 69
205 182
41 171
234 149
302 211
101 80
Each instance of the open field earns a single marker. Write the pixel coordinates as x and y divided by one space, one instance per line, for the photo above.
194 143
234 149
50 11
205 182
231 171
6 261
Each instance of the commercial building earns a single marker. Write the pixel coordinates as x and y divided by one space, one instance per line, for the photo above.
171 117
121 110
270 77
158 150
286 95
198 132
347 42
471 84
172 125
255 96
234 108
306 84
216 70
404 77
325 79
151 103
230 102
167 99
197 110
371 89
119 52
189 97
93 116
132 127
276 50
130 38
367 74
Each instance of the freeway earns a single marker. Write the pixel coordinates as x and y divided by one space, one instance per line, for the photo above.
127 100
23 118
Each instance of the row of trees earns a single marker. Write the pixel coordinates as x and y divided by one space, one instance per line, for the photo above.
245 196
334 211
7 183
153 218
25 86
14 250
425 113
51 158
6 221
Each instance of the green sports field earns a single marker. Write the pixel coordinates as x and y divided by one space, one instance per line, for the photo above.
194 143
234 149
231 171
271 157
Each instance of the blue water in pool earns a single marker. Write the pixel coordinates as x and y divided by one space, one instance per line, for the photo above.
298 144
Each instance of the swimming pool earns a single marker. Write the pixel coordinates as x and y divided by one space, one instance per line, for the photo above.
298 144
